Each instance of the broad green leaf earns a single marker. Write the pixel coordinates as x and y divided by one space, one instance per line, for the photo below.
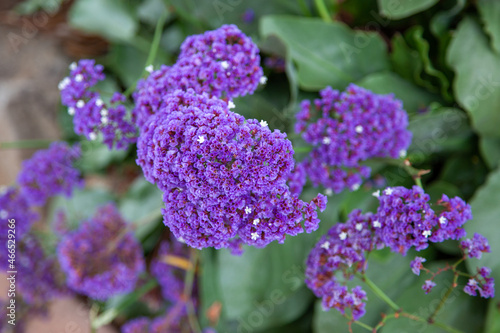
465 171
476 85
490 15
406 61
327 53
490 150
459 311
414 98
398 9
113 19
96 156
485 211
126 61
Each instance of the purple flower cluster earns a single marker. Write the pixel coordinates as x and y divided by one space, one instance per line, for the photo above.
224 63
342 249
481 282
173 320
39 273
346 129
405 219
91 114
475 247
222 176
417 264
50 172
169 277
101 258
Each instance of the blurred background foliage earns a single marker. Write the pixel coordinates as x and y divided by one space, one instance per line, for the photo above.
441 58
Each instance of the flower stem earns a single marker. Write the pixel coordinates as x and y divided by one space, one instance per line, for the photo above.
26 144
383 296
367 327
323 11
443 300
188 289
153 50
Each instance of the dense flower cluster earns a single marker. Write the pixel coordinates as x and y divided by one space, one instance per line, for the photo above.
50 172
346 129
101 258
168 276
342 249
403 220
92 116
223 176
224 63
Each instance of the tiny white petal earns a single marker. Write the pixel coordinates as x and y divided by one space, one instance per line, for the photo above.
72 66
255 235
99 102
376 194
388 191
343 235
149 68
443 220
426 233
231 105
201 139
328 191
79 78
402 153
104 119
263 123
104 112
256 221
327 140
248 210
263 80
355 187
472 282
359 129
71 111
377 224
180 239
325 245
3 214
92 136
359 226
224 64
80 104
63 83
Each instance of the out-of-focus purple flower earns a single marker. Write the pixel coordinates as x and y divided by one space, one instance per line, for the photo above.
170 278
248 16
92 116
348 128
416 265
137 325
224 63
50 172
475 247
481 282
223 176
428 285
101 258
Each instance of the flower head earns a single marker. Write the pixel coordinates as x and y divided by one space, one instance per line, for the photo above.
475 247
416 265
428 285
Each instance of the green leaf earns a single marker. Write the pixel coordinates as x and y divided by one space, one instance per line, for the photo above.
96 156
398 9
126 61
113 19
327 53
490 15
150 11
476 85
414 98
490 150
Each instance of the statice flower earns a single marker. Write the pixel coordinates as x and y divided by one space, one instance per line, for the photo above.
137 325
346 129
223 176
428 285
39 273
475 247
343 249
416 265
481 282
456 212
50 172
101 258
224 63
92 116
169 277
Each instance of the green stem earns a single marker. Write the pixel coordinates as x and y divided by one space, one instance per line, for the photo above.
26 144
446 327
368 327
443 300
323 11
188 289
304 8
154 48
107 316
380 293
